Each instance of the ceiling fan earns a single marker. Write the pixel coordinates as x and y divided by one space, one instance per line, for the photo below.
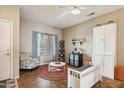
75 10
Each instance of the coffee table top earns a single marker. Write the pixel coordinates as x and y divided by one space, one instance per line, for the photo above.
57 65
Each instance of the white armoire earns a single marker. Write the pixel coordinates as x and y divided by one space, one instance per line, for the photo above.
104 48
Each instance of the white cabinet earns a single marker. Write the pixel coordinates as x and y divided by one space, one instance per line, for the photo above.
104 48
84 78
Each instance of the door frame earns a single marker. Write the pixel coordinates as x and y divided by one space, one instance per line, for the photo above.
11 46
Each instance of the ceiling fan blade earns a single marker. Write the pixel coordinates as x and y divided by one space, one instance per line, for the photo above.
68 7
62 7
65 6
62 15
83 8
87 7
71 7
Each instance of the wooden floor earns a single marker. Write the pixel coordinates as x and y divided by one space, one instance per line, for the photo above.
29 79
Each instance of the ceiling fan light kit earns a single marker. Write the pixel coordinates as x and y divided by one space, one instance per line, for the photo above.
76 11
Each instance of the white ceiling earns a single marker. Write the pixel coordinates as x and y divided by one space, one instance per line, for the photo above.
55 16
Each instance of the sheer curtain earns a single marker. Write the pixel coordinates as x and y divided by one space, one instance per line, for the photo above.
44 46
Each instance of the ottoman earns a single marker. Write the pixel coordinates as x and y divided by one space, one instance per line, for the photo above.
119 73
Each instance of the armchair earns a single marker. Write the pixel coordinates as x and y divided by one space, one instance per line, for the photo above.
27 61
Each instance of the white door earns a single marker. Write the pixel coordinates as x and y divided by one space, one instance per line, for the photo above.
5 57
110 39
98 59
98 40
109 66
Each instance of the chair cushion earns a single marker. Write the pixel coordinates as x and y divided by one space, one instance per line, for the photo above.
119 72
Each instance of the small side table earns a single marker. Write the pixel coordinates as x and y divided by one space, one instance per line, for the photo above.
53 66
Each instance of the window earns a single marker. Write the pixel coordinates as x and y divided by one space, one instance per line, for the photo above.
44 44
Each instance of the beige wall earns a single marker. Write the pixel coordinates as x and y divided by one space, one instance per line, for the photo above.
26 33
12 13
86 28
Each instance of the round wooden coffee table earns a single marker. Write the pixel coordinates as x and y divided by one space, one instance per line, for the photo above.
53 66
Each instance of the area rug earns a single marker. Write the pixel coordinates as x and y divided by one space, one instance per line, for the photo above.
8 84
43 73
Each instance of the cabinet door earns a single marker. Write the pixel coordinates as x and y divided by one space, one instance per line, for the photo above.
98 59
110 39
108 70
89 80
98 40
